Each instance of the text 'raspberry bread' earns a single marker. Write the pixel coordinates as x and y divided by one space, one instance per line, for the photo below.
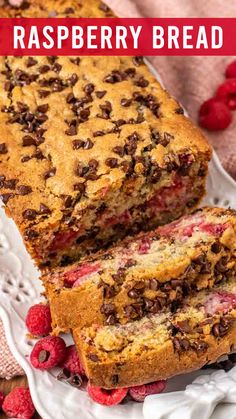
162 345
93 148
146 273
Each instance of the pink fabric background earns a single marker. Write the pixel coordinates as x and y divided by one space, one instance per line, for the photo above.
190 79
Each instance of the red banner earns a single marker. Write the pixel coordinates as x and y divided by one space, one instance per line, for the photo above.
117 36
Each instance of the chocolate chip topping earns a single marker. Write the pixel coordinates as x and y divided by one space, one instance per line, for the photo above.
30 62
115 77
119 150
29 214
44 69
3 148
138 60
89 88
43 93
126 102
27 140
24 189
100 94
111 162
5 197
50 173
43 108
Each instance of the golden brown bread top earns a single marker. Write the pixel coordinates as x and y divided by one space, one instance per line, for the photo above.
121 115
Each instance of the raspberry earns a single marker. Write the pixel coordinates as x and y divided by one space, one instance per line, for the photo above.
18 404
214 115
38 320
139 393
106 397
2 397
72 362
48 353
75 276
220 302
226 92
63 239
144 246
230 71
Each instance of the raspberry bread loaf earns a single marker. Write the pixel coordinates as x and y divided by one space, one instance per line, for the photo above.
162 345
92 148
145 273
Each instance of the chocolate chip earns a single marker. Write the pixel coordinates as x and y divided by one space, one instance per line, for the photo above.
130 72
69 10
126 102
72 130
43 209
75 61
80 187
202 172
200 346
141 82
72 80
8 86
43 93
93 357
179 111
52 59
88 144
111 162
44 69
27 140
50 173
83 115
220 266
31 234
89 88
100 94
109 291
183 326
10 184
107 309
5 197
138 60
153 284
119 150
115 379
3 148
98 133
106 110
30 62
43 108
57 67
24 159
134 293
70 98
115 77
77 144
29 214
216 247
24 190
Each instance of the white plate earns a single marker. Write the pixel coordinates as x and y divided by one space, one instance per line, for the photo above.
53 399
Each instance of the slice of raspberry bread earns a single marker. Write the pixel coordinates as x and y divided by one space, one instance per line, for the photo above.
93 148
145 273
162 345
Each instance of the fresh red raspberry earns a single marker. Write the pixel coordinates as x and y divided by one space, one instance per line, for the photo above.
214 115
2 397
226 93
139 393
144 246
38 320
48 353
106 397
230 71
72 362
18 404
220 302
